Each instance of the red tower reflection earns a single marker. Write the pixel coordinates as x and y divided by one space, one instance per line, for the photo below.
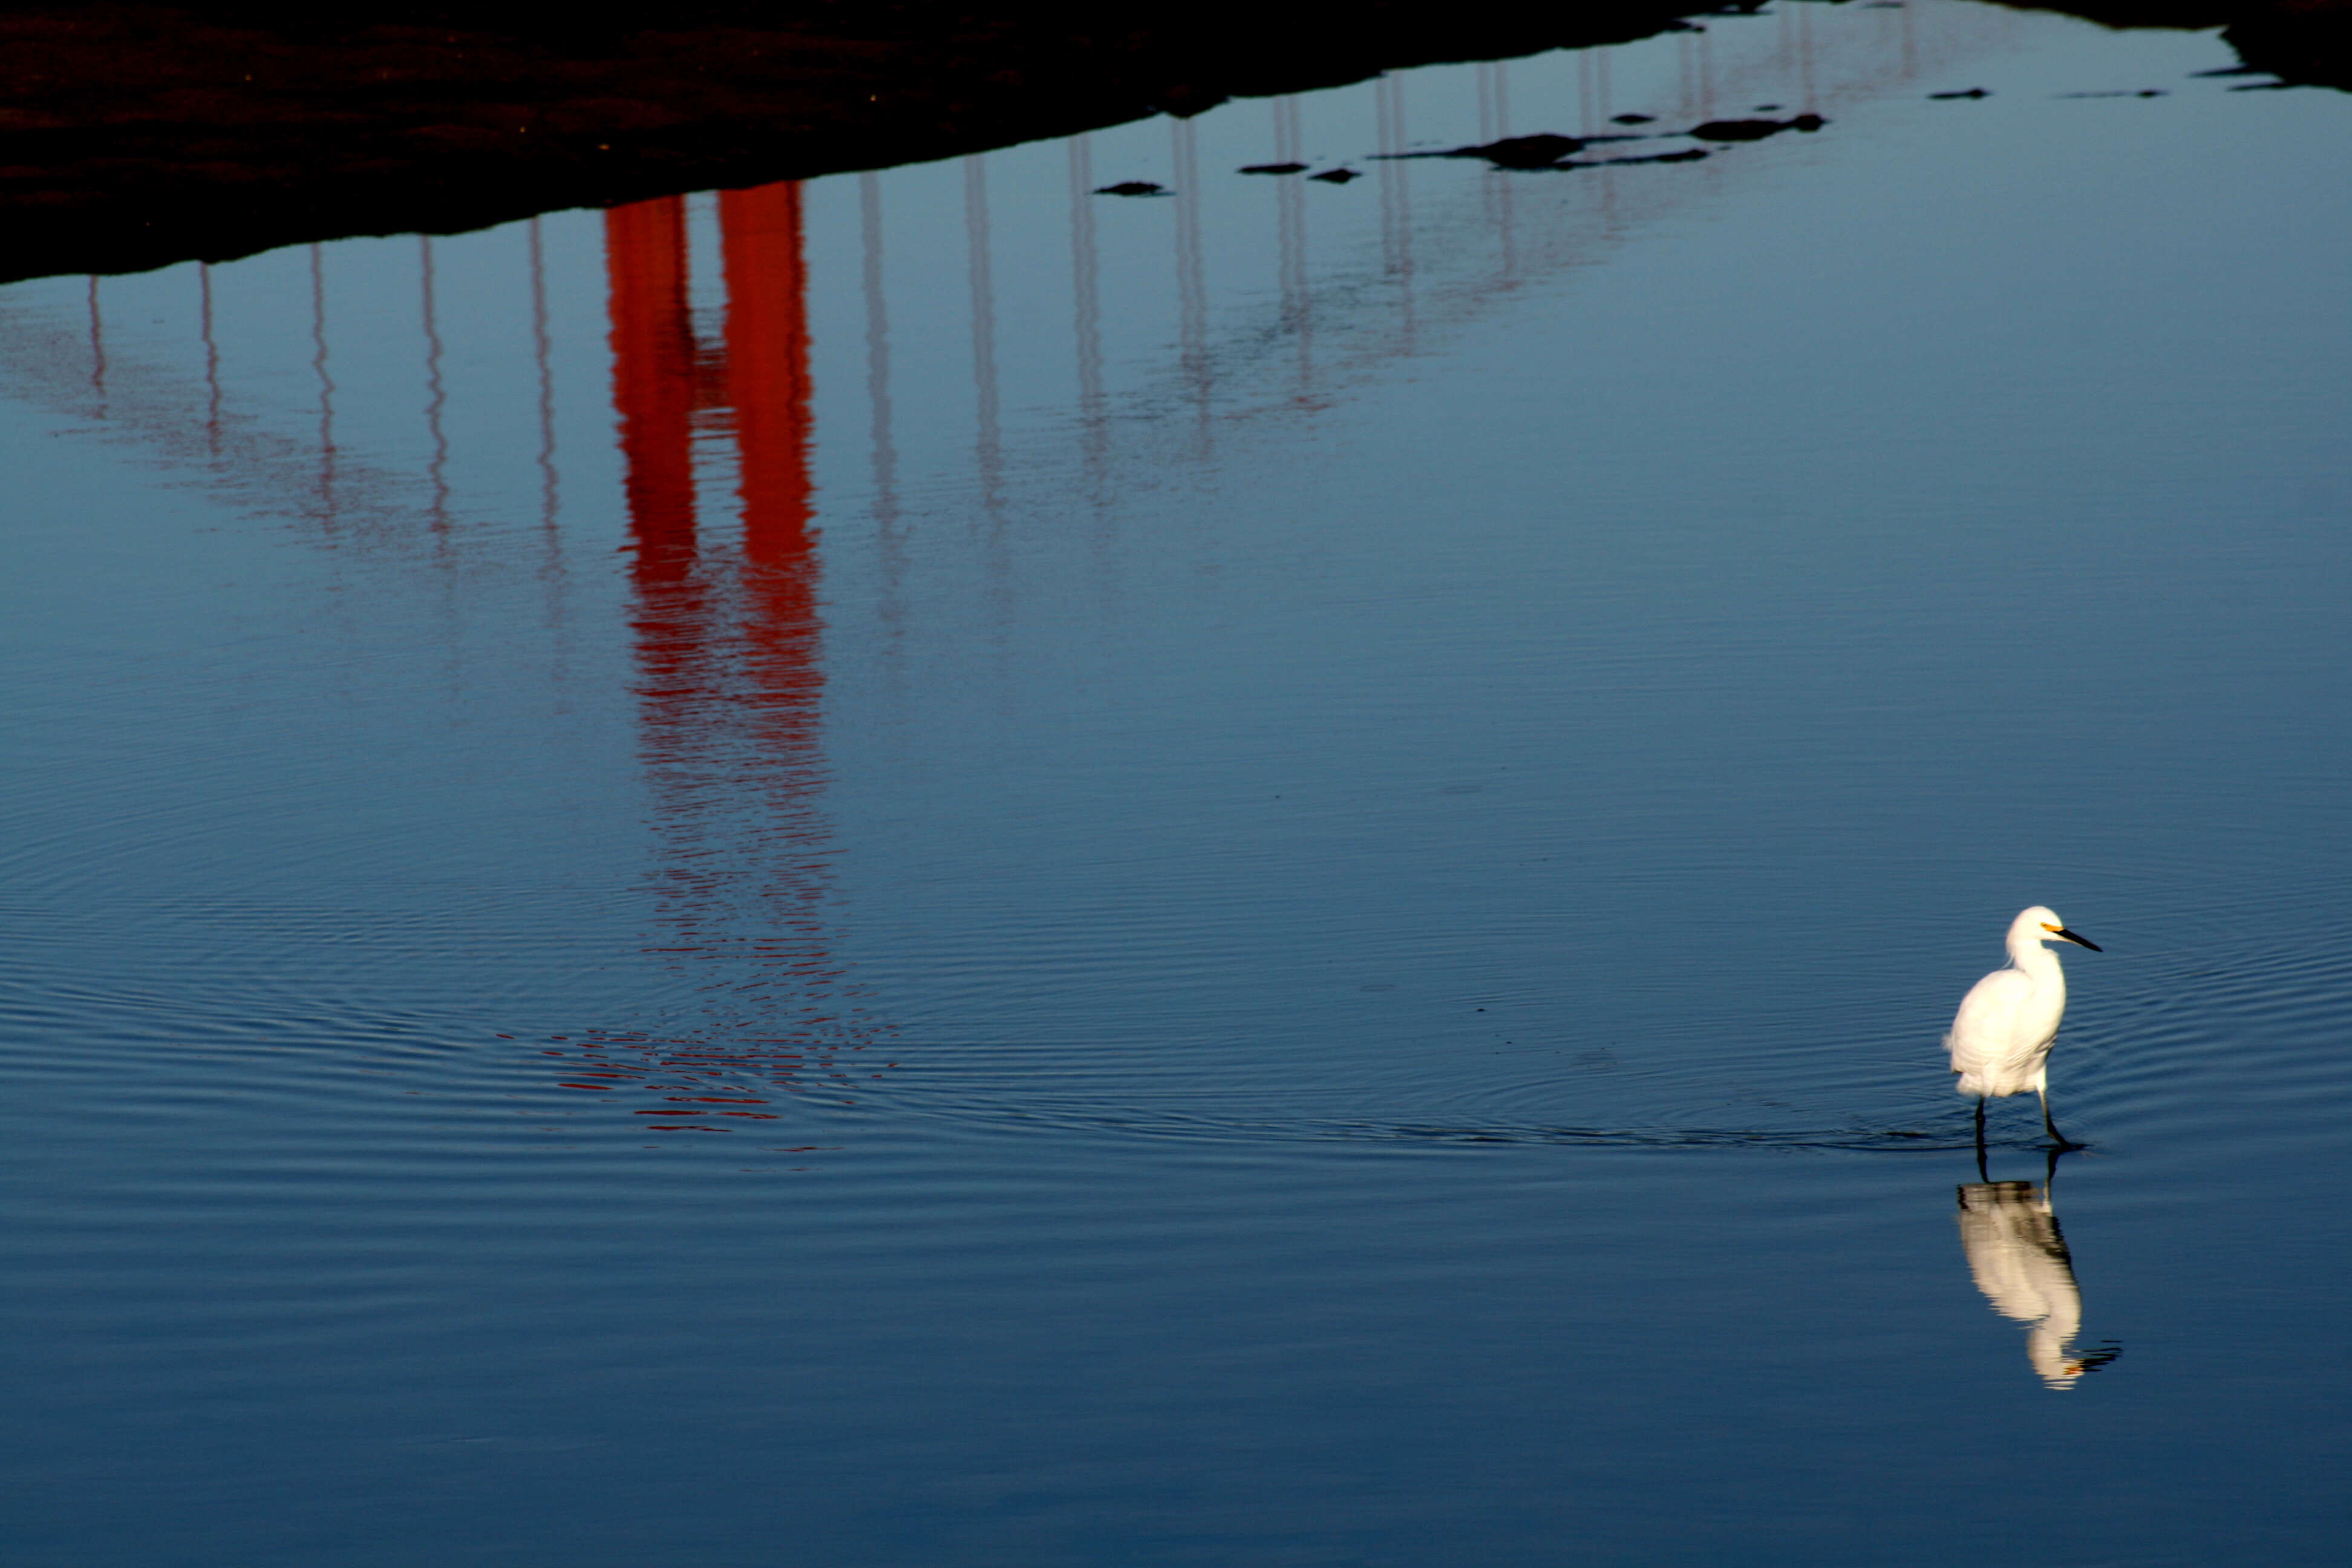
728 645
767 380
653 393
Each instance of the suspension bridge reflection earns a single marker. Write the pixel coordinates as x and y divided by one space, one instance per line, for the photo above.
1026 347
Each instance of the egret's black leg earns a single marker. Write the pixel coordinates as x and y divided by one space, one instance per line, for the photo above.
1981 1176
2050 1127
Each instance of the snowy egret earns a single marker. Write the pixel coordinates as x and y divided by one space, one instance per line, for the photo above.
2000 1038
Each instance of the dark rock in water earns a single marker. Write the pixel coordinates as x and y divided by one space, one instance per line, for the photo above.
1972 92
1754 130
1632 118
2143 92
1767 109
1542 151
1537 151
1133 188
1336 176
1272 169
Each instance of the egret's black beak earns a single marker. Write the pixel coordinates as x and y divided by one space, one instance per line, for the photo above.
2084 942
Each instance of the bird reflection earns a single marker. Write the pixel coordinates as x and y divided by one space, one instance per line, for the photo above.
2019 1261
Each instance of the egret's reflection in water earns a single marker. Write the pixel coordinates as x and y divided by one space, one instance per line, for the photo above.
2019 1261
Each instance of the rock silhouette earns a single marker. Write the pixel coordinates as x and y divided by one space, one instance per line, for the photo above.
1537 151
1754 130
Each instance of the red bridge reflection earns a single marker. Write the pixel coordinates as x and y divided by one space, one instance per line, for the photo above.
728 645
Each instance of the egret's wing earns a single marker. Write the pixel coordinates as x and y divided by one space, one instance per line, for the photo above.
1984 1030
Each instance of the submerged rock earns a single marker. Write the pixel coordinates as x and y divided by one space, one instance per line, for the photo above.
1537 151
1335 176
1133 188
1972 92
1272 169
1754 130
1544 149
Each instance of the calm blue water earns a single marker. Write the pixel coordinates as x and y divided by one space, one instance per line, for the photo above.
937 871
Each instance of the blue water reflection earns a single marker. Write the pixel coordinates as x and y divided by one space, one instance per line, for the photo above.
928 869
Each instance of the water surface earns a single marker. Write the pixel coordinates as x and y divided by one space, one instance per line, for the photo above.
928 869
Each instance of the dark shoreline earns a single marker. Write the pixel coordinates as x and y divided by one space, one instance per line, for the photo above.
133 137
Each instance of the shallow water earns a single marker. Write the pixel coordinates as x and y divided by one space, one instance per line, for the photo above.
931 869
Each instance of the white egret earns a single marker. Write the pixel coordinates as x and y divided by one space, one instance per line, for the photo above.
2000 1038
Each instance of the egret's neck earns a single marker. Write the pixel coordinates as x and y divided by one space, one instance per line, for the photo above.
2037 961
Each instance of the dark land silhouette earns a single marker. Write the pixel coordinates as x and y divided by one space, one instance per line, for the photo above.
136 136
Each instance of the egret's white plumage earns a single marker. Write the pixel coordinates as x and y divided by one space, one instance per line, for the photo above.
2000 1038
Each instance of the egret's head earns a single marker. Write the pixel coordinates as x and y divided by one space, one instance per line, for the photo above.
2041 924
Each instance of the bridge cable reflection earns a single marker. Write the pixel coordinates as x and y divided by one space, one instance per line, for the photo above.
1809 99
1496 186
436 395
211 359
1290 230
550 479
988 440
1396 196
97 355
1087 305
1192 291
327 503
889 541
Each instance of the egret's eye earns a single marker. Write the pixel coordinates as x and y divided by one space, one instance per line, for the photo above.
2047 926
